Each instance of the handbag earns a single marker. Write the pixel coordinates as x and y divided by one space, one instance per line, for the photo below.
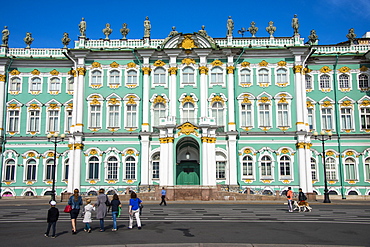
68 209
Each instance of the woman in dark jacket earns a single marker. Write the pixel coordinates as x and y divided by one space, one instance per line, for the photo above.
75 201
115 204
101 204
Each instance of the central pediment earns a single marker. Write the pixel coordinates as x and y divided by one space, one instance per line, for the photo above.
188 41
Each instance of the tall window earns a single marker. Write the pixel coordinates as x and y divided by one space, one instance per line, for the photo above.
188 76
346 118
70 83
326 118
363 81
350 166
96 78
308 80
95 113
15 84
66 169
263 76
131 77
247 166
313 169
246 115
159 112
188 112
220 169
49 169
264 115
13 125
113 119
367 169
130 168
266 166
31 170
331 171
155 166
34 120
283 115
54 84
68 120
310 117
281 76
218 113
36 84
131 115
159 76
114 77
10 170
217 76
285 166
93 168
53 123
245 76
365 118
344 81
325 82
112 172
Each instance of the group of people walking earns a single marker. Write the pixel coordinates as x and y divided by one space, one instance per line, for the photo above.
101 208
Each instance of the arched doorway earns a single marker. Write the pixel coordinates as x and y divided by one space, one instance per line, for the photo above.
187 162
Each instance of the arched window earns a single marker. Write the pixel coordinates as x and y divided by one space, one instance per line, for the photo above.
331 171
54 84
281 76
50 169
263 76
308 80
363 81
350 166
245 76
155 166
114 77
36 84
246 115
159 76
31 170
285 166
10 170
159 112
188 76
367 169
266 166
313 169
188 112
131 77
218 113
66 169
247 166
15 84
325 82
217 76
112 172
93 168
96 78
344 81
130 168
70 83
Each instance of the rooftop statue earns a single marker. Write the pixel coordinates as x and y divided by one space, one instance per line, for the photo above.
312 38
82 27
295 25
5 37
107 31
65 40
173 32
204 33
28 39
271 29
351 35
253 29
147 27
230 27
124 30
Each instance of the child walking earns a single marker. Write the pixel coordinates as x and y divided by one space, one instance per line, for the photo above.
87 215
53 215
116 204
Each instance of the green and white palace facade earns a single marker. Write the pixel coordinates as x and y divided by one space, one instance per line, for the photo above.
189 109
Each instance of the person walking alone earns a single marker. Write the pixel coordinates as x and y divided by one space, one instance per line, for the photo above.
134 210
115 204
163 197
289 196
75 201
53 215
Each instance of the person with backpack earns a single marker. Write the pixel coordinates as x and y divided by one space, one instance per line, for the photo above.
134 210
102 206
301 198
289 196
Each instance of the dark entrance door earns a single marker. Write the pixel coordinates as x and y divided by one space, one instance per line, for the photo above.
187 173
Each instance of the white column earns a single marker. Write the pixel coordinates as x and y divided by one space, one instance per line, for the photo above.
72 164
77 165
204 163
144 162
2 96
203 91
78 109
232 176
172 90
146 89
170 173
212 161
231 98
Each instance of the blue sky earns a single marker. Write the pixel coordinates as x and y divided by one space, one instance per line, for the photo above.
48 20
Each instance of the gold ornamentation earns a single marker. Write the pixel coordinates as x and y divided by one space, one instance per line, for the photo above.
172 70
93 152
208 139
282 84
297 68
96 65
130 152
248 181
246 99
2 77
301 145
15 72
286 181
263 63
306 71
72 72
332 182
188 61
131 100
187 129
266 181
217 63
247 128
188 98
352 182
346 103
53 106
285 151
265 128
217 98
309 104
34 107
54 72
264 100
35 72
325 69
131 65
283 100
92 181
111 181
281 63
344 69
187 43
245 84
113 101
230 69
327 103
129 181
363 68
114 65
245 64
365 103
203 70
159 99
247 151
146 70
81 71
159 63
329 153
349 153
13 106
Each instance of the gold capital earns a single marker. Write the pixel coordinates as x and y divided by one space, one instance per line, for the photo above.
297 68
230 69
203 70
146 70
172 70
81 71
2 77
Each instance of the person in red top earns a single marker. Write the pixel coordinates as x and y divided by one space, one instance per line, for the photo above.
289 196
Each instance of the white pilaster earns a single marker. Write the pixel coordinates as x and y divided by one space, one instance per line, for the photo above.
232 159
144 154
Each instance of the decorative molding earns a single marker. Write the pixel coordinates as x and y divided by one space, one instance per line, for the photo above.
2 77
187 43
131 65
346 103
230 69
217 98
35 72
281 63
263 63
363 68
14 72
113 101
344 69
159 99
325 69
188 98
159 63
327 103
54 72
264 100
146 70
203 70
95 65
217 63
81 71
187 129
172 70
298 68
114 65
245 64
188 61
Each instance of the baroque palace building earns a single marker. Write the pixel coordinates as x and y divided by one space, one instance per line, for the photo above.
186 110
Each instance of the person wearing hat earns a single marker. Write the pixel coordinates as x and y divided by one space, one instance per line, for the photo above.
53 215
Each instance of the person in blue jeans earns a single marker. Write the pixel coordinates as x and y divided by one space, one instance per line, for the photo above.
134 210
115 204
75 201
53 215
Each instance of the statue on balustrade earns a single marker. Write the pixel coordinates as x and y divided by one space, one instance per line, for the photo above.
295 25
253 29
107 31
65 40
28 39
230 27
173 32
271 29
124 30
5 37
82 27
351 35
147 27
313 38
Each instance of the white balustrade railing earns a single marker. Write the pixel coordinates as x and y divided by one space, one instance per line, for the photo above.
35 52
342 49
